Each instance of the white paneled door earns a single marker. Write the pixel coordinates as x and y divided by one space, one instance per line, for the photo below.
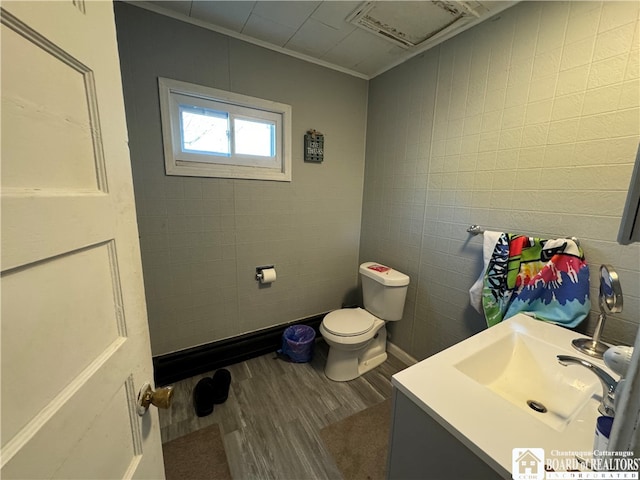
75 340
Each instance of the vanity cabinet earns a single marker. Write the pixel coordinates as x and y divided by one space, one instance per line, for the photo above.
421 448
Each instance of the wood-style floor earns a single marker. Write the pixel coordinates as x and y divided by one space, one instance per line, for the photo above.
272 419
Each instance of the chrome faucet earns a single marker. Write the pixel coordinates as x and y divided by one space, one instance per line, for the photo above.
608 383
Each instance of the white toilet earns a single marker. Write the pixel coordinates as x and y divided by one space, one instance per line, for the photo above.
358 338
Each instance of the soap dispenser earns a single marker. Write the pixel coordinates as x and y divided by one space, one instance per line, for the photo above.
618 360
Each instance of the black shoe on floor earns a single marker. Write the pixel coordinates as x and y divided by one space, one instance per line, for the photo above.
203 396
221 383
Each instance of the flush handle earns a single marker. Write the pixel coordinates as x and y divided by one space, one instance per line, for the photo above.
161 398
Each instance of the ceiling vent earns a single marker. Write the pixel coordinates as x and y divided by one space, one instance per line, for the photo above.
410 24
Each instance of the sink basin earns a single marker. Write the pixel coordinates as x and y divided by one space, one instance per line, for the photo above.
524 370
504 388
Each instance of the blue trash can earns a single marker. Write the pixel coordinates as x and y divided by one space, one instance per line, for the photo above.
298 342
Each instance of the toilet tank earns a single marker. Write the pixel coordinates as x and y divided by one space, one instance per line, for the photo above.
383 290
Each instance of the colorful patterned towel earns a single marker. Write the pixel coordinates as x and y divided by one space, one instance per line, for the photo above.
547 279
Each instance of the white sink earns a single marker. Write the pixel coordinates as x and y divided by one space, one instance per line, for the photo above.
525 371
478 390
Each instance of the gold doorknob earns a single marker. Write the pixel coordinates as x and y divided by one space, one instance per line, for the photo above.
161 398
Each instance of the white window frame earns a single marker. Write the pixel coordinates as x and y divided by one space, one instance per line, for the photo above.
173 93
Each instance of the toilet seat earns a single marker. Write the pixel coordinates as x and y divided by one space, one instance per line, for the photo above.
348 322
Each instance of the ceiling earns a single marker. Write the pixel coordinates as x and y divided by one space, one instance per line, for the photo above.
360 38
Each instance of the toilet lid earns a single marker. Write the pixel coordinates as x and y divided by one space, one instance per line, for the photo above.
348 322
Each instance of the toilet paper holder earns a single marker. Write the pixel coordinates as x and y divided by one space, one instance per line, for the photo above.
259 274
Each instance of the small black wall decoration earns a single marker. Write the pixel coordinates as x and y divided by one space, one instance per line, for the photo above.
313 146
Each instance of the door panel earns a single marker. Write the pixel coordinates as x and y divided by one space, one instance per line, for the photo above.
49 327
75 341
62 122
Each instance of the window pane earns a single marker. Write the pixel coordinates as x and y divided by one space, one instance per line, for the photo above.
204 130
254 138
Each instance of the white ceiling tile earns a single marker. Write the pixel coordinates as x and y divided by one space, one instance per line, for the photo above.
355 47
174 5
231 15
315 28
375 63
315 38
334 13
290 14
267 30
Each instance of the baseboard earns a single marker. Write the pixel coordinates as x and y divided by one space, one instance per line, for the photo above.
182 364
400 354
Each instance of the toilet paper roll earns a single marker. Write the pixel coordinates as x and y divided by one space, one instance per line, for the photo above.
268 275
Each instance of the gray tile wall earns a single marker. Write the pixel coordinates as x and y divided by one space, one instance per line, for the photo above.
528 123
201 238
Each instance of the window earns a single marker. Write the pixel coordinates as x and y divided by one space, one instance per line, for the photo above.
213 133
